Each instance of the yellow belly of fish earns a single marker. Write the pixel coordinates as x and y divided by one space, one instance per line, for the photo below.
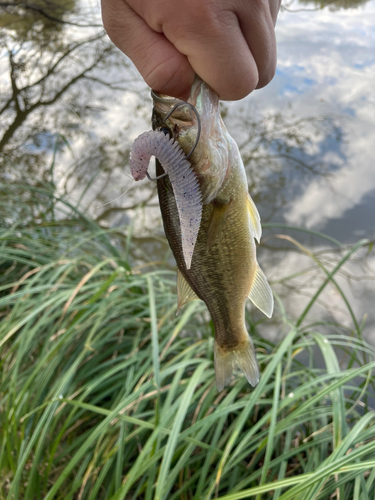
221 276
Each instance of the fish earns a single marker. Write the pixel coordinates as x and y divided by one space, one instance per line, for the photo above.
223 270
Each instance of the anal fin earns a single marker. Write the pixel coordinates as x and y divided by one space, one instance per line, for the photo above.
184 291
261 293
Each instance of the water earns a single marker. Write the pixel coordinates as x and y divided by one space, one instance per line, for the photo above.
326 69
327 66
77 104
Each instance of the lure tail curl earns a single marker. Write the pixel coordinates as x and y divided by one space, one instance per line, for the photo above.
183 179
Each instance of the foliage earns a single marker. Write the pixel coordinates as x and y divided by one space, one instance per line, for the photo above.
55 71
106 394
335 4
36 20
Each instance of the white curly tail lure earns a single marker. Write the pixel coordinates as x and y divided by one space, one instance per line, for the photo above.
182 177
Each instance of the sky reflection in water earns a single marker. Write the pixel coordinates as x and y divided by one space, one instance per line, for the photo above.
326 65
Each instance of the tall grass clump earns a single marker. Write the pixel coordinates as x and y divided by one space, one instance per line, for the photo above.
107 394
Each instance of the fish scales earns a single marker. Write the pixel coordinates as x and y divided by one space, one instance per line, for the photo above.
224 271
220 275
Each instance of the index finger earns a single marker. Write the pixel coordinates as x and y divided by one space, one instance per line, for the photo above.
161 65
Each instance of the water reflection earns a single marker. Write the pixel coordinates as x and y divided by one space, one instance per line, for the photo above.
330 70
284 153
55 74
332 4
71 105
36 21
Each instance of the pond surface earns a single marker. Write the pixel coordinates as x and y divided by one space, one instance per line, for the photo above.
71 104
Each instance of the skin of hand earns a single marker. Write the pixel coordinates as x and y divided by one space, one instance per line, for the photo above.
230 44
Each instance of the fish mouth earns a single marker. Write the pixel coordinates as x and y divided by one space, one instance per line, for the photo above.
197 89
162 98
182 118
202 98
163 104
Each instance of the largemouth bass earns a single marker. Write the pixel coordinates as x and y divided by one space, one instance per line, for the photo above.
223 270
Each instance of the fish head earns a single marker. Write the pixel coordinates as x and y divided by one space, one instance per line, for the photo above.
210 157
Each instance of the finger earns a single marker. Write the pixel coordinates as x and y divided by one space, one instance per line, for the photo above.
274 9
162 66
210 38
257 25
218 53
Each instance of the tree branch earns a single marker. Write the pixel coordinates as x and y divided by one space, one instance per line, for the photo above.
50 17
66 54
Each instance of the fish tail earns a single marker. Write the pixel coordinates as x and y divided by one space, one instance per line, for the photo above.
242 358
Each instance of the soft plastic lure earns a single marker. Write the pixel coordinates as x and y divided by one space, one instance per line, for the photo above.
183 180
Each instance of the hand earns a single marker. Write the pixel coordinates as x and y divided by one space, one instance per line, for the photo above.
230 44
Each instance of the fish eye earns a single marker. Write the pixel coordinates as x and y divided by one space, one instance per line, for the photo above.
166 131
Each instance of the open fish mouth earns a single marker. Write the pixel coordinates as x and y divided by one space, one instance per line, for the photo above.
183 120
162 98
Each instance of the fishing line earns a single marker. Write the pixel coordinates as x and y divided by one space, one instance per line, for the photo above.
121 195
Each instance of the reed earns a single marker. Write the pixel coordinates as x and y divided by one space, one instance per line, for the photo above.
107 394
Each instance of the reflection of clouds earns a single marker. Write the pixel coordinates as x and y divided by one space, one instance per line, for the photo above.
320 202
356 280
326 64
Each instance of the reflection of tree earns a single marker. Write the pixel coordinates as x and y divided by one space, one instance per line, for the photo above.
320 4
281 153
51 76
34 20
37 93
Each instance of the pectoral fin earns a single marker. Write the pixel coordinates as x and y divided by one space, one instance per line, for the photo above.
256 228
184 292
261 293
216 223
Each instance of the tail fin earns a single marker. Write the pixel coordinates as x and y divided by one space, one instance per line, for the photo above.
242 358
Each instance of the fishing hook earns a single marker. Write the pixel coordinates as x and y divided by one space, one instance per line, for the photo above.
177 105
183 103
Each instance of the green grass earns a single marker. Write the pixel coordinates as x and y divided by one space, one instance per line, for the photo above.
107 394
